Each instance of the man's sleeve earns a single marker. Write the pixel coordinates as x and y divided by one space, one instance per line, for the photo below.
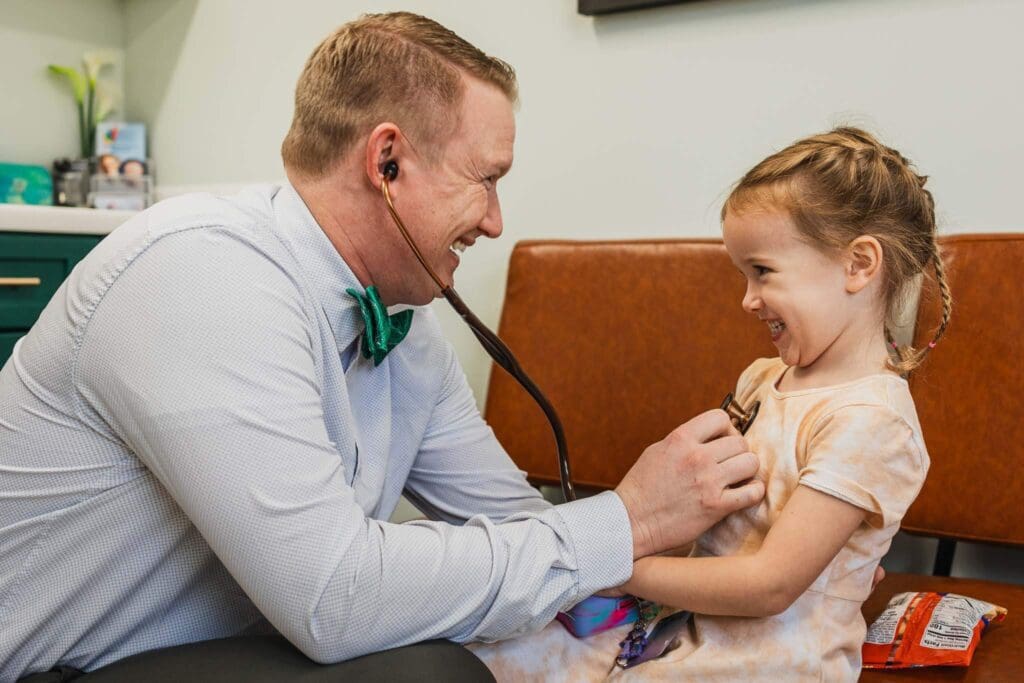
462 473
200 359
461 469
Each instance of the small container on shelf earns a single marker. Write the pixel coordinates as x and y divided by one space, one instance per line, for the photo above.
118 184
70 182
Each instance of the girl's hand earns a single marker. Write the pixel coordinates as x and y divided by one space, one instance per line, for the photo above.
877 579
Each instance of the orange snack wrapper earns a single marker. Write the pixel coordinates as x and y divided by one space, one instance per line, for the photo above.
928 629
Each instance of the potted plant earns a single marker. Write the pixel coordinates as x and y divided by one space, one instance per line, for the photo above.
95 103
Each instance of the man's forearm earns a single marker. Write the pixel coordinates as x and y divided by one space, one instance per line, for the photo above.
482 581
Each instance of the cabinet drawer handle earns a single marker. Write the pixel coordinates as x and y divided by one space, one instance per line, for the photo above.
20 282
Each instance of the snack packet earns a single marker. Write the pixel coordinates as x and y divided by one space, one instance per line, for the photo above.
928 629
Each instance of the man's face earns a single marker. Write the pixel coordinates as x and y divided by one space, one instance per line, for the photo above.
798 291
450 203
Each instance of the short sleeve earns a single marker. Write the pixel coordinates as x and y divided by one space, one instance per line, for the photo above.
756 377
868 456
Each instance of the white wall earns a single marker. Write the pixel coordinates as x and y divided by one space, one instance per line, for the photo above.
630 125
38 118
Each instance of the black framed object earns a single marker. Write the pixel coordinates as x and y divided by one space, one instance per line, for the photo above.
592 7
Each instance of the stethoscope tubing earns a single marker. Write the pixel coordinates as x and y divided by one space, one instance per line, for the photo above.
495 348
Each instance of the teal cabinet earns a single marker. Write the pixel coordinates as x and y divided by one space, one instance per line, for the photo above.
7 340
32 266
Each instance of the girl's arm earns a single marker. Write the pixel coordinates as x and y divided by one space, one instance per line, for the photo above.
810 532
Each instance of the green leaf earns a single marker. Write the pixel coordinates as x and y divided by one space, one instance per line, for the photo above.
75 79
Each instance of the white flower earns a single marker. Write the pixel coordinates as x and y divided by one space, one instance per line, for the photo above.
96 61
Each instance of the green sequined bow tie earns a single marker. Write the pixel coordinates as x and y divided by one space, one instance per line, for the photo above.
383 331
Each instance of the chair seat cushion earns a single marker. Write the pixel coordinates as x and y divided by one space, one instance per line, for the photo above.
1000 655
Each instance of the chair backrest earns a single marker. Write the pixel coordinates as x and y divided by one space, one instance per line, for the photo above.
969 396
627 339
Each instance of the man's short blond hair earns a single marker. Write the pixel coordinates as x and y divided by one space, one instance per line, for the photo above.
397 67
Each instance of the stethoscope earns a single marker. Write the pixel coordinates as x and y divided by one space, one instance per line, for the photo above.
503 356
492 344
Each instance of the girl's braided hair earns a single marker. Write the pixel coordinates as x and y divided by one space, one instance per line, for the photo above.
843 184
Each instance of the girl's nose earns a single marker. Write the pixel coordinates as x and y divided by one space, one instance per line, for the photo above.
751 300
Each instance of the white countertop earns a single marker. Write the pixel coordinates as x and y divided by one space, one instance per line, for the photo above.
60 219
82 221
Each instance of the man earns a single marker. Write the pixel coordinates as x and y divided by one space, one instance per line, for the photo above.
199 440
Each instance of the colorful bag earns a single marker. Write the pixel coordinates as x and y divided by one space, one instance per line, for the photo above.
597 613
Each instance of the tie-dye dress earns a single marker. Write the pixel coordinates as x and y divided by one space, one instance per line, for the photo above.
860 442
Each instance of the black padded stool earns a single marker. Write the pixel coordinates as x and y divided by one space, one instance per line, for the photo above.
259 659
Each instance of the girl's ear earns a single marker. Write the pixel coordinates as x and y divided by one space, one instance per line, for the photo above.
863 262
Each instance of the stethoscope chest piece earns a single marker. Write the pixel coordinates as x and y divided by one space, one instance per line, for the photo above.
741 419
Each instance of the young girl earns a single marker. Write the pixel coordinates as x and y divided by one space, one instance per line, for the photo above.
829 234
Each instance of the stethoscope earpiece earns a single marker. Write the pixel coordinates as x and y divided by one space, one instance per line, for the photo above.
390 170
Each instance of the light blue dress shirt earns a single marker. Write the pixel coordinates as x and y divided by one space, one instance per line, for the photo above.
184 455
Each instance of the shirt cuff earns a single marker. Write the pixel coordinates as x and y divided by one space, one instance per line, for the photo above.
603 541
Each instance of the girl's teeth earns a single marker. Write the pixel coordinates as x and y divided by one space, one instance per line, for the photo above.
776 326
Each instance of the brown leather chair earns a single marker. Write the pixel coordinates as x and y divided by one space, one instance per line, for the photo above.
630 339
968 397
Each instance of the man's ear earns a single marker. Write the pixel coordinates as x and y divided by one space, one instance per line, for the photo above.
381 146
863 262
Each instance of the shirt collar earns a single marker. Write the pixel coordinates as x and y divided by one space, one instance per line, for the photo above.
327 273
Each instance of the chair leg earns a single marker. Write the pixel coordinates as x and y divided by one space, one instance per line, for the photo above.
944 557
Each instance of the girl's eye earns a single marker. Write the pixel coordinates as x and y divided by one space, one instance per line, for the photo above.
761 270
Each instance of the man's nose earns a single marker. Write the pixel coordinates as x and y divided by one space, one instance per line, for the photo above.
492 224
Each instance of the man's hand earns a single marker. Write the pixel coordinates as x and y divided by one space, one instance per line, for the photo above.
688 481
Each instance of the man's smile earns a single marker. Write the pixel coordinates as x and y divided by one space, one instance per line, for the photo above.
460 245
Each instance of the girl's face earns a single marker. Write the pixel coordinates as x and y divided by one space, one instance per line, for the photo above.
798 291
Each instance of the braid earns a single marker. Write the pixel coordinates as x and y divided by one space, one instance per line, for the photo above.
909 357
898 365
947 296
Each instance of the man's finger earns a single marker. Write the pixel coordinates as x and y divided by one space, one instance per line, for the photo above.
739 468
726 447
743 496
709 425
